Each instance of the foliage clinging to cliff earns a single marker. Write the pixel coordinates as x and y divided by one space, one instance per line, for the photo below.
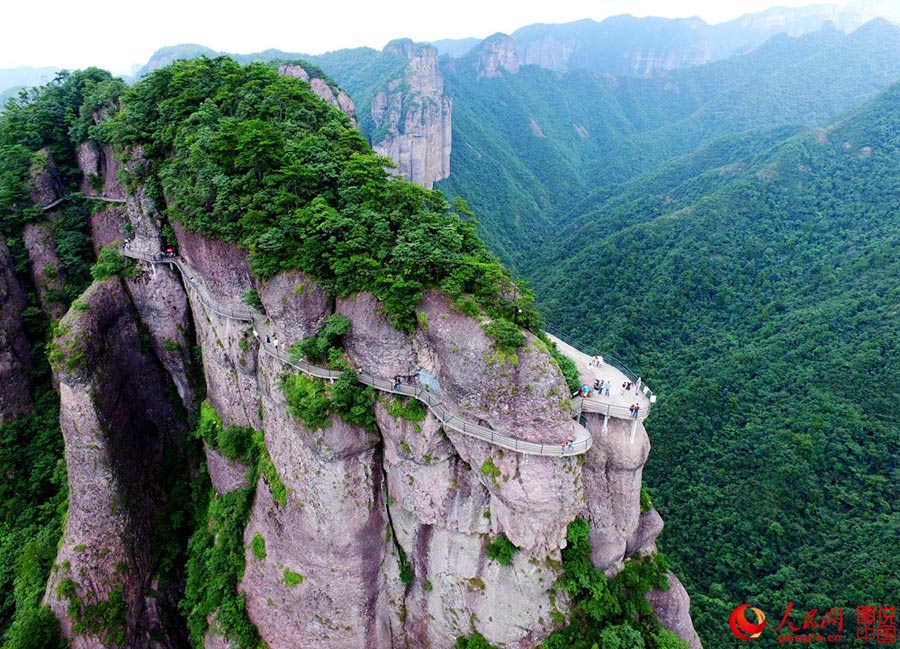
610 611
254 158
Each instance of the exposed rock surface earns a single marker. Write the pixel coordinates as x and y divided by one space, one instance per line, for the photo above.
325 544
673 609
46 274
412 117
100 168
331 94
117 423
496 53
612 477
15 397
46 184
549 51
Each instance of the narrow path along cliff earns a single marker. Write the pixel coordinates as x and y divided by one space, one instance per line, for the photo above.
581 439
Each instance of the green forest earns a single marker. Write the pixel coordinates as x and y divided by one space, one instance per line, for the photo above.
760 299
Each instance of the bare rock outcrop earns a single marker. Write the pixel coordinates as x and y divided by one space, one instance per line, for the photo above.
412 117
672 607
550 52
15 397
496 53
228 348
612 477
325 541
100 169
46 185
533 498
330 93
117 423
46 274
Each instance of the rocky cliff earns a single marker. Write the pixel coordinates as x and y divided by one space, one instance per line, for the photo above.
119 423
412 117
365 531
330 94
497 52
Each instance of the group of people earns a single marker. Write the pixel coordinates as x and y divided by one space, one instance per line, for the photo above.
399 379
601 387
627 385
634 409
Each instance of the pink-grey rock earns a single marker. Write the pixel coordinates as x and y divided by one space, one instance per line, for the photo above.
46 274
295 305
331 94
117 423
325 543
496 53
163 307
226 475
416 117
672 607
46 185
643 539
612 477
100 167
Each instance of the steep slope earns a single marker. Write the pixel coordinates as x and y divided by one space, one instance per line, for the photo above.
305 511
762 293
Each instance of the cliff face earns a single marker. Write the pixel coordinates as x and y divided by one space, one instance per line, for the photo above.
333 96
378 538
412 117
118 424
496 53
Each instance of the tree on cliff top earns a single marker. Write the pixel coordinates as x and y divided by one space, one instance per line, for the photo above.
255 158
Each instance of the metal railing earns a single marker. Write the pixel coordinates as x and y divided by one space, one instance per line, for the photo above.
105 199
590 404
582 438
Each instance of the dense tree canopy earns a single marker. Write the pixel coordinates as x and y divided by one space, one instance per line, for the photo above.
759 299
253 157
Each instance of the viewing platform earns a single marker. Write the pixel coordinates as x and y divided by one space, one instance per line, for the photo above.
620 400
581 437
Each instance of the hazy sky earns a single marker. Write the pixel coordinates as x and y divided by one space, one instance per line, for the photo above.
116 35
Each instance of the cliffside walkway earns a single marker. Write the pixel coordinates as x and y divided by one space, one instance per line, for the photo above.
581 438
105 199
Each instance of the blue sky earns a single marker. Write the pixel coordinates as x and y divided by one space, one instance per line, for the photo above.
117 35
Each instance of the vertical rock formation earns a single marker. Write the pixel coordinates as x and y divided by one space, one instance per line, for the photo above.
549 51
118 423
100 168
496 53
15 397
45 267
331 94
46 185
376 535
412 117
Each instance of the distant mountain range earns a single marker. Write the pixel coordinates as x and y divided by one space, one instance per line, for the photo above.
625 45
